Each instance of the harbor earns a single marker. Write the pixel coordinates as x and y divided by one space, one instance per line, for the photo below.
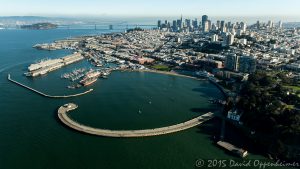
28 119
65 119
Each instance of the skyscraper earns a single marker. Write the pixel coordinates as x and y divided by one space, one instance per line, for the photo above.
181 21
174 25
159 23
230 39
280 24
222 24
258 25
204 19
270 24
243 26
207 26
195 23
218 24
188 23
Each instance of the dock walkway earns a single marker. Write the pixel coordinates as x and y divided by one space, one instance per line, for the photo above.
46 95
64 118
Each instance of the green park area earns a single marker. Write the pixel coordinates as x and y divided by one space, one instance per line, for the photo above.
161 67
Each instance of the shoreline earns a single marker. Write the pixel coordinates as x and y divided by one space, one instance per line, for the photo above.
172 73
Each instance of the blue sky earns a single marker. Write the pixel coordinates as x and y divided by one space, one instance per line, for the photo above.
150 7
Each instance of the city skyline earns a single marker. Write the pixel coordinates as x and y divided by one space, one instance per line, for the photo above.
190 8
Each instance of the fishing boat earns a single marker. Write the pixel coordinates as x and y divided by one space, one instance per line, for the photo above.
90 78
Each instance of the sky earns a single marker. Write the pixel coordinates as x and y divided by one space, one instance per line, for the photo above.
142 8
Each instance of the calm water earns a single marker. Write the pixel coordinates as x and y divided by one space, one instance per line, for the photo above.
32 137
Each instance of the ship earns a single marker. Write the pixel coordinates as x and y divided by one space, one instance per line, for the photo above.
90 78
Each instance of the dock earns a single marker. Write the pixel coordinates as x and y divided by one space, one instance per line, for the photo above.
64 118
46 95
238 151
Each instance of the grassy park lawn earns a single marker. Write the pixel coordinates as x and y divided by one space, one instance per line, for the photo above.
161 67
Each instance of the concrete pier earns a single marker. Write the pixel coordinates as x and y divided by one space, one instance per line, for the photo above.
46 95
64 118
238 151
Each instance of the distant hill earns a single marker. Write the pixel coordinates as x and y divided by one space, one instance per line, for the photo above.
23 17
13 21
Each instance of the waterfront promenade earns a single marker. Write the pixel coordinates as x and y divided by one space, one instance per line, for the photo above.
64 118
172 73
46 95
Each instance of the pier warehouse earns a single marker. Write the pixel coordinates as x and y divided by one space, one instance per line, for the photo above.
46 66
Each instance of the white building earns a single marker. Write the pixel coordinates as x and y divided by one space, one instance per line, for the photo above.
233 115
214 38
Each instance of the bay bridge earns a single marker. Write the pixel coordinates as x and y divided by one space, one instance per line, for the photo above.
106 26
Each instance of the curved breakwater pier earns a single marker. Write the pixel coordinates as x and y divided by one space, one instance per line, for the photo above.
64 118
46 95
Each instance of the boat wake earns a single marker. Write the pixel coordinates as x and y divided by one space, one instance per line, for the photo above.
8 66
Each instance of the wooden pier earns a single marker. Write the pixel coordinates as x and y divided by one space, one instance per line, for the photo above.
46 95
64 118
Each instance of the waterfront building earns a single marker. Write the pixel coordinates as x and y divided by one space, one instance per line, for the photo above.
233 115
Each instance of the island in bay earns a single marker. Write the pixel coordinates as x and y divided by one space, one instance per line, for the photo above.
39 26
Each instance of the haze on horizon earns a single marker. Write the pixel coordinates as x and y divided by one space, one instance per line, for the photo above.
150 8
